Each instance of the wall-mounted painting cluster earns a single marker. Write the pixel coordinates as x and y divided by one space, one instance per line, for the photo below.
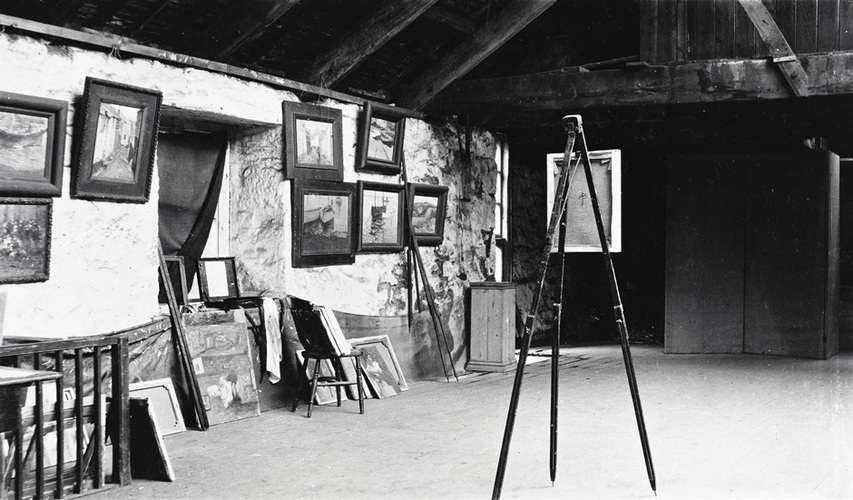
333 220
113 161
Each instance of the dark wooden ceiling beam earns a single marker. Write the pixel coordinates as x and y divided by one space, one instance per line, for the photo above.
707 81
365 38
238 25
494 33
451 20
781 52
63 10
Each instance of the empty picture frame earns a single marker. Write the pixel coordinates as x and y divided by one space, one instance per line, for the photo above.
25 225
32 145
427 209
380 139
114 159
381 217
581 228
324 223
163 399
178 276
313 136
217 278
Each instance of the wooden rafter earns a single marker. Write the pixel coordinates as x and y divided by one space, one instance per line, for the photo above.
719 80
105 12
366 37
236 26
64 10
494 33
447 18
780 50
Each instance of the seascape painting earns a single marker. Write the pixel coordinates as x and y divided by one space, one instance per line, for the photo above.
424 214
23 146
380 217
382 140
325 224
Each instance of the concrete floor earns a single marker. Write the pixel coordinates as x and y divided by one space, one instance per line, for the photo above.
720 426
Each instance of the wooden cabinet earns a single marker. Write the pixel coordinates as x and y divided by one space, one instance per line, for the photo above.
491 326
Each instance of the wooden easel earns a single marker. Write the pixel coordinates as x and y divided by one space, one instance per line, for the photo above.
414 255
574 128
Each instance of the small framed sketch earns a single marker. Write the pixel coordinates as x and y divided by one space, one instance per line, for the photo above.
428 206
324 223
25 239
32 145
312 142
115 157
217 278
581 228
381 217
380 140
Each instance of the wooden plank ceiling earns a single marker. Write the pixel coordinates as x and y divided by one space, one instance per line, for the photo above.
501 63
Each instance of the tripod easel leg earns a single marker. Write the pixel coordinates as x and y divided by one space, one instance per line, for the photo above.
617 304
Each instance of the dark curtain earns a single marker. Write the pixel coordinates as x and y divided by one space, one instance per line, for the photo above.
190 166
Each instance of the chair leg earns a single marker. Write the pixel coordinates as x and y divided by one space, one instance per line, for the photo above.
336 364
303 366
358 384
313 385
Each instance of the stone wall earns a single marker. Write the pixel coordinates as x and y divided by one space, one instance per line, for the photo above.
376 283
104 258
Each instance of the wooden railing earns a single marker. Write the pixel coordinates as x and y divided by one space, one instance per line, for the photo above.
67 357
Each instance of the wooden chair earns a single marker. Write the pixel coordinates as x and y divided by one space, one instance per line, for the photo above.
319 346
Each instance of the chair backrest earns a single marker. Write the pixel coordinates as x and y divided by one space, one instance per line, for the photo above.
309 327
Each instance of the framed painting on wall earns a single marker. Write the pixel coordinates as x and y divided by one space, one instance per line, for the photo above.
581 229
324 223
25 239
115 156
313 137
381 217
380 139
32 145
427 208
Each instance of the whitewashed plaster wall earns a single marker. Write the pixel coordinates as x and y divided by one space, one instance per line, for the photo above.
104 262
103 270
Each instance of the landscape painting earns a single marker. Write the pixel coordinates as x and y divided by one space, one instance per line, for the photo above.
24 239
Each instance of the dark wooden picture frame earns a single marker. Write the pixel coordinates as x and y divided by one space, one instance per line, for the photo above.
25 227
380 139
381 217
427 209
217 279
324 223
32 145
178 275
313 142
114 159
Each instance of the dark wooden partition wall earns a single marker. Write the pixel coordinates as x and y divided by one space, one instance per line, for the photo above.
705 257
687 30
752 254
